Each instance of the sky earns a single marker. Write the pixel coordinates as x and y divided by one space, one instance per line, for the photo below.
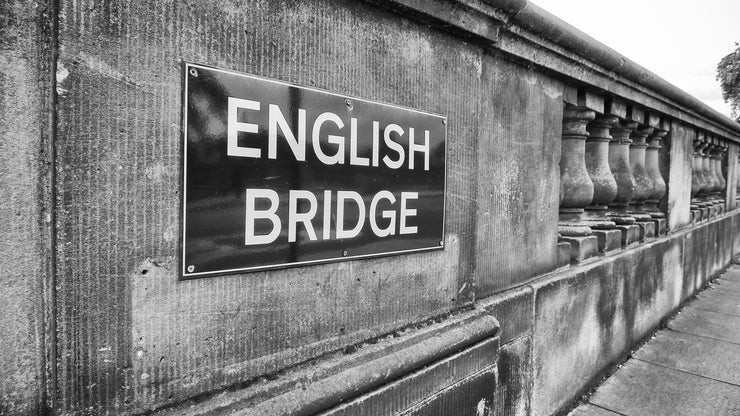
681 41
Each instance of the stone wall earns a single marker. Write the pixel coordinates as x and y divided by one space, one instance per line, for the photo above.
92 160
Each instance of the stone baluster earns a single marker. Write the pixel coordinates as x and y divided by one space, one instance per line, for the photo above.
696 178
721 157
708 185
605 187
703 182
658 186
619 164
695 181
737 184
576 185
711 173
702 173
716 167
597 165
718 157
710 189
643 181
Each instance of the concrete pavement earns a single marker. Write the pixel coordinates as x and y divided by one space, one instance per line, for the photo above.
691 368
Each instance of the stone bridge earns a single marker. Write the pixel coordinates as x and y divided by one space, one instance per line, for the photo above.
585 200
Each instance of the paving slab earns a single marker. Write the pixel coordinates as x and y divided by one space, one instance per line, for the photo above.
727 286
733 273
716 301
695 354
708 324
591 410
640 388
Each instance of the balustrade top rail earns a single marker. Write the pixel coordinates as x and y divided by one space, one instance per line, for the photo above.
519 26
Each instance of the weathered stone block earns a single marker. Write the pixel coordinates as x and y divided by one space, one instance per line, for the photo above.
609 240
513 390
513 310
647 229
503 228
661 226
680 143
443 368
705 211
585 320
570 340
725 237
694 266
711 250
641 227
455 385
582 248
704 254
630 234
563 253
736 233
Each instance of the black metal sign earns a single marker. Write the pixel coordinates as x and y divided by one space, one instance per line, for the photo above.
278 175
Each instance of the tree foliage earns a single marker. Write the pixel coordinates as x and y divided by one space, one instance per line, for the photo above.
728 75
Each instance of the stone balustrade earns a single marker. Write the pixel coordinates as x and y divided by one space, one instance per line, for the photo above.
612 180
708 184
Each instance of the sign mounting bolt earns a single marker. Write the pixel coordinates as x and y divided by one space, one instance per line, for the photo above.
344 253
441 243
191 269
348 102
193 72
444 121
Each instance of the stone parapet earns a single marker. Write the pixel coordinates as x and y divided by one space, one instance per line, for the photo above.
581 198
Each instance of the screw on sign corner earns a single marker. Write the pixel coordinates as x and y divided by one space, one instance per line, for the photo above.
344 253
191 269
193 72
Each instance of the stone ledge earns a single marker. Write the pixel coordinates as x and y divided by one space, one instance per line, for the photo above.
445 387
342 378
514 307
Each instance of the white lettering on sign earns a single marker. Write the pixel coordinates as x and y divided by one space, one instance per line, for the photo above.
342 197
346 227
325 129
390 215
294 216
234 127
276 119
253 214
